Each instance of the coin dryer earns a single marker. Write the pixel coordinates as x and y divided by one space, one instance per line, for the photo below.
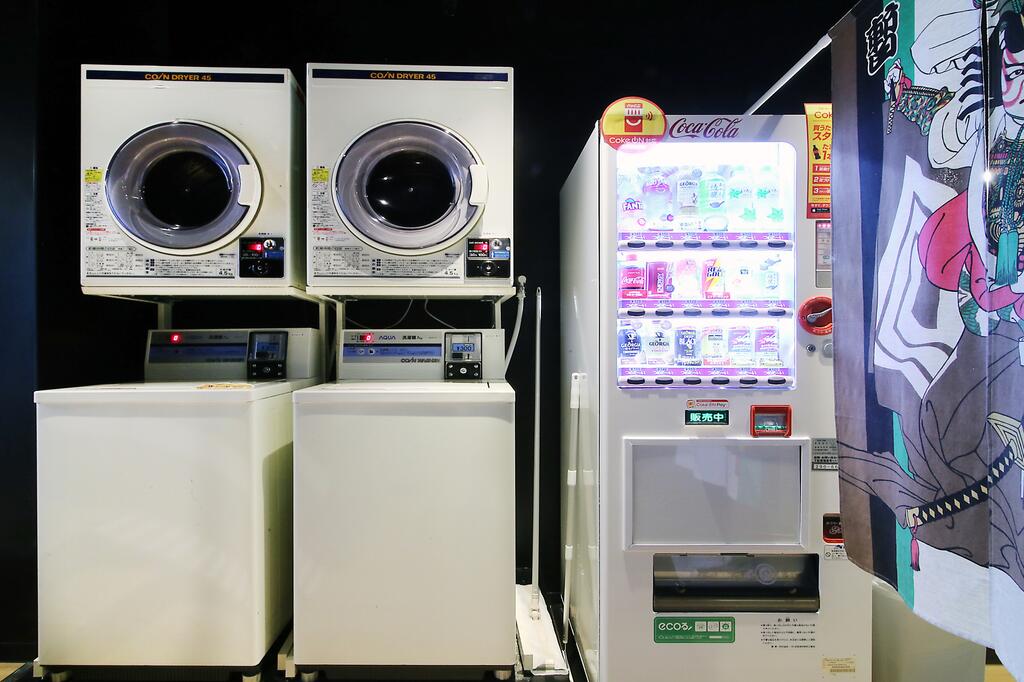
165 507
404 506
410 179
190 180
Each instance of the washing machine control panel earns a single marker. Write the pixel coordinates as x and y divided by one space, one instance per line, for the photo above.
261 257
489 257
233 354
463 356
422 354
267 355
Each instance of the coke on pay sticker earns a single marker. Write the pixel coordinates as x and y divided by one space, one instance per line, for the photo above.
632 124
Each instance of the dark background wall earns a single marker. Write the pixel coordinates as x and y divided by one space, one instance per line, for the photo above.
571 60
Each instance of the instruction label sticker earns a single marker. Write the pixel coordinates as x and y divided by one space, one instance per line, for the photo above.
824 454
685 630
335 252
108 252
839 666
789 632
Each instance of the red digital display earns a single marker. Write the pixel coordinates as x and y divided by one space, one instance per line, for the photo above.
175 337
255 246
481 246
366 338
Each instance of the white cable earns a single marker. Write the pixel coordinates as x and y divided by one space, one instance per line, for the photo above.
520 298
434 317
824 42
360 325
535 595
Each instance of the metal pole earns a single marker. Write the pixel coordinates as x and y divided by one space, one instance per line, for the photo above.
824 42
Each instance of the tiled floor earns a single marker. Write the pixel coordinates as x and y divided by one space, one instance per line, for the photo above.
993 673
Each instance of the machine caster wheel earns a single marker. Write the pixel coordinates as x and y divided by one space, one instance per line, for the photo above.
62 676
503 674
252 678
309 677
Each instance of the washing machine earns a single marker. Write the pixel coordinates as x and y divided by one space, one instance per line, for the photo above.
410 180
165 506
405 508
191 180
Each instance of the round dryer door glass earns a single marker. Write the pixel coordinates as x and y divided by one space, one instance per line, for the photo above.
405 187
180 186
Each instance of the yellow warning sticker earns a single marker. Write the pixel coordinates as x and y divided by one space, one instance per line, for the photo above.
321 174
839 666
93 175
224 386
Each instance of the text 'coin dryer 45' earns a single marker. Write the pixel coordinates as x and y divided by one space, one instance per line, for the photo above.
190 180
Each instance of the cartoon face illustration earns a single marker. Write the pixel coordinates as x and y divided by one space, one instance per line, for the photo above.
1011 70
633 121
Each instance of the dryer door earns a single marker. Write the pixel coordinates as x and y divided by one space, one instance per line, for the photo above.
183 187
410 187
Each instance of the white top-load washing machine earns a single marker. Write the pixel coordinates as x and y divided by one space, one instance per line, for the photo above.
404 506
410 180
165 507
190 180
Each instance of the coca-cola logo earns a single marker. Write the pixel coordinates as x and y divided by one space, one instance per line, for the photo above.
718 128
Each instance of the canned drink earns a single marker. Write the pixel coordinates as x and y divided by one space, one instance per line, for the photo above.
657 279
713 347
766 346
713 284
741 346
657 345
629 347
687 347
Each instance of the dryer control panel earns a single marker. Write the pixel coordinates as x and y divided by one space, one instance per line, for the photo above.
422 354
489 257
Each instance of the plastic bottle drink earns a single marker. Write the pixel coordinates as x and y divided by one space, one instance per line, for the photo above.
657 195
712 347
632 278
632 215
687 191
741 283
658 345
711 201
766 346
768 205
740 198
686 280
769 276
741 346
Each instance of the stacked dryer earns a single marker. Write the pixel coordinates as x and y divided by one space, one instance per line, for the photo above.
164 506
404 468
190 180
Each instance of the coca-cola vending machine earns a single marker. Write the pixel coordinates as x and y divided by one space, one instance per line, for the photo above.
701 492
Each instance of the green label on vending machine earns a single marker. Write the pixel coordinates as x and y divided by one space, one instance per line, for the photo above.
685 630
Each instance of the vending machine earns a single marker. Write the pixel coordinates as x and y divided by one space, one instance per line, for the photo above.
701 493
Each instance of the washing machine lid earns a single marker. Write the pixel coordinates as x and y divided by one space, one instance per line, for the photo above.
183 187
172 392
409 187
362 392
